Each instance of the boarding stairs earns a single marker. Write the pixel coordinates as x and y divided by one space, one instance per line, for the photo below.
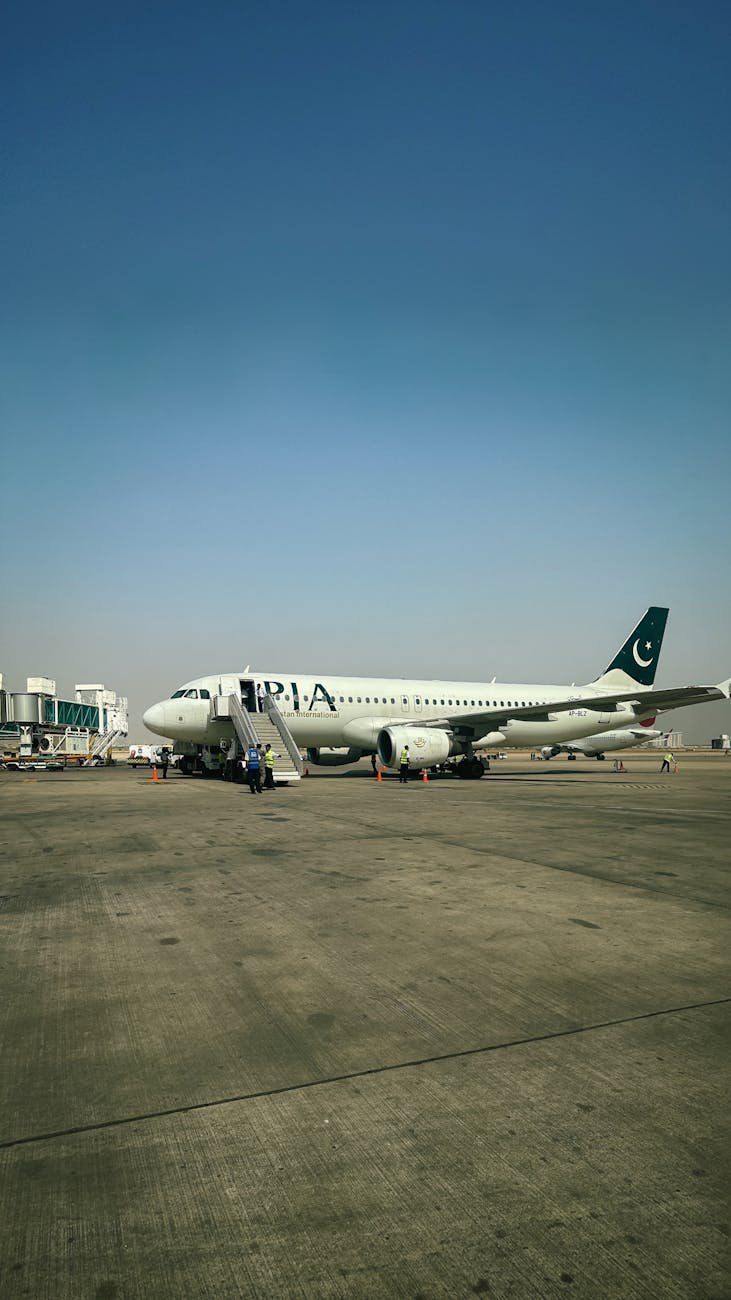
267 728
104 741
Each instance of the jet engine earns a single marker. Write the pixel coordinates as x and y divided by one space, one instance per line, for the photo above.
427 745
550 751
334 757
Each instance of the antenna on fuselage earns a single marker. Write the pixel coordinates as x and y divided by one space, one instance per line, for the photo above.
246 669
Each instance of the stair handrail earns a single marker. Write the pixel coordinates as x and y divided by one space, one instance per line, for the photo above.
239 715
270 707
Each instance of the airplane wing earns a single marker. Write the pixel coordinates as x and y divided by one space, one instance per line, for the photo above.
675 697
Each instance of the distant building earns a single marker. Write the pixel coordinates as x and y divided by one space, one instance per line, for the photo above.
721 742
672 740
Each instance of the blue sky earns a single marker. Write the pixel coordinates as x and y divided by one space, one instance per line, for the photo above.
387 338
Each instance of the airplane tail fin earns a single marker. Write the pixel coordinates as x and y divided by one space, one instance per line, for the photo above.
635 663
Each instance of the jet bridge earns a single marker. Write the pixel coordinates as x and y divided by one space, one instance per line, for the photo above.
37 723
265 728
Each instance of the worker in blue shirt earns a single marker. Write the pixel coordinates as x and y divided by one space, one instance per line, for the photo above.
253 768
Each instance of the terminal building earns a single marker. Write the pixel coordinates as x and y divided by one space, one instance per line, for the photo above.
36 725
669 740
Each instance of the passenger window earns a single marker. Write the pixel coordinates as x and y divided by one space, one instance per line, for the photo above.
393 700
368 699
358 700
350 699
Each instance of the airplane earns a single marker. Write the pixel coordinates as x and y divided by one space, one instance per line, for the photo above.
338 719
598 746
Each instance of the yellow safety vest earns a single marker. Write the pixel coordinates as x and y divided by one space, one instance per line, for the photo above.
404 757
269 758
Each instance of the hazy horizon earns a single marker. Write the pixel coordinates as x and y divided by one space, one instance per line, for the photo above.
388 340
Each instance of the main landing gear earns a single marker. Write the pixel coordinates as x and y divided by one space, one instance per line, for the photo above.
471 769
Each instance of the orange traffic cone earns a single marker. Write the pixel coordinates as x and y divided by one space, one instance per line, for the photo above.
378 775
154 774
425 777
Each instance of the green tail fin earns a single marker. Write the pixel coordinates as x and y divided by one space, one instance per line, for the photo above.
640 653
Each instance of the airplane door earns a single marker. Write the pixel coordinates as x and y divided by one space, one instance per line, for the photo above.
248 695
404 703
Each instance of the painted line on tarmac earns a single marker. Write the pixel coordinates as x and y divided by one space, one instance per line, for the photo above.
265 1093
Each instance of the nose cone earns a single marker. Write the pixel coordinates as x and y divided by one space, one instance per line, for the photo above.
154 719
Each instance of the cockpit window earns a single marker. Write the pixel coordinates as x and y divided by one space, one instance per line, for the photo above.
176 695
191 695
205 695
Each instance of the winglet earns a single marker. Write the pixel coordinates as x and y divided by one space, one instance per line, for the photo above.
725 688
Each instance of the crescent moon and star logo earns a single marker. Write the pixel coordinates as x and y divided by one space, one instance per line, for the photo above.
643 663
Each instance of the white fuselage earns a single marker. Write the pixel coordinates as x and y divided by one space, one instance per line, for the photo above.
604 743
331 711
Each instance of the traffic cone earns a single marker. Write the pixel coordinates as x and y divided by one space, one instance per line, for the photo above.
378 775
425 777
154 774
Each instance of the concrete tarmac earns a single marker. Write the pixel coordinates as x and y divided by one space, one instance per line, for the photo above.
351 1039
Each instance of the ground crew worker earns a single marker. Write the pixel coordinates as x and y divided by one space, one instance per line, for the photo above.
374 765
403 771
164 760
666 762
269 757
253 768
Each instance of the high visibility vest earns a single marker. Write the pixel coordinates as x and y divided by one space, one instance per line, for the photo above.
252 757
269 758
404 757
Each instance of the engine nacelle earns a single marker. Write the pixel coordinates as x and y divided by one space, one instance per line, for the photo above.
550 751
427 745
324 757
